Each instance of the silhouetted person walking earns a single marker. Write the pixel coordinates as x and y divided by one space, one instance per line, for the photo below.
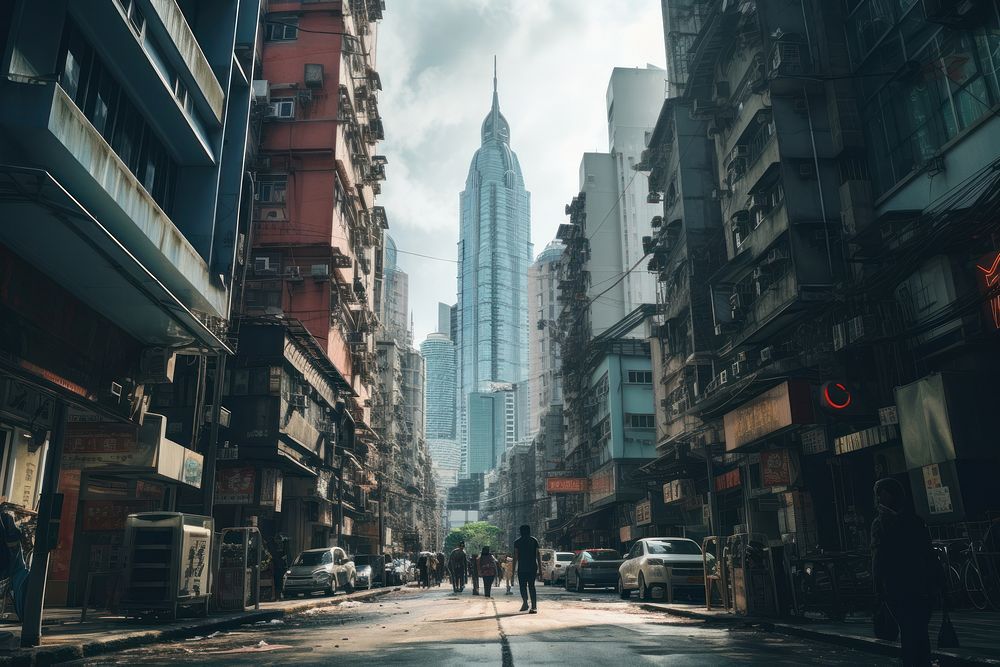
475 573
528 563
487 570
457 564
904 569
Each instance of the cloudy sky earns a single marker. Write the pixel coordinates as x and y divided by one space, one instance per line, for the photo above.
435 58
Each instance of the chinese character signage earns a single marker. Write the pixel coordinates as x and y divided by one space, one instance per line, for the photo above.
90 445
602 484
779 407
234 486
643 512
774 468
728 480
566 485
988 272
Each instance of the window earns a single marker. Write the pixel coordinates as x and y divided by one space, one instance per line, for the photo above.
281 30
135 18
640 377
641 421
283 107
272 189
685 547
98 94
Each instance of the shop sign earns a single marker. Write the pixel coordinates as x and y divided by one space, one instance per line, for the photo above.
625 534
348 525
728 480
25 404
779 407
96 444
814 440
270 488
774 468
193 467
938 495
235 486
194 569
602 484
988 272
888 415
110 515
230 453
643 512
678 489
566 485
869 437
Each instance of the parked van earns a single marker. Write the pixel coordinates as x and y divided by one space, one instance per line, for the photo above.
548 563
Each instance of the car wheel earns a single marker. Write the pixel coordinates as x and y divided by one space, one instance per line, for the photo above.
623 592
331 589
643 589
566 582
349 588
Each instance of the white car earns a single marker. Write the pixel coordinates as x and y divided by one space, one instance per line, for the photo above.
646 566
557 573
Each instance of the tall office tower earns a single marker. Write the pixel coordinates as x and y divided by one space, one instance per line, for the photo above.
444 320
634 99
440 412
395 298
543 309
494 252
682 20
492 424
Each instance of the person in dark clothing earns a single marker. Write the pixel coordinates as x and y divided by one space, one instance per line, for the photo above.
458 562
474 567
422 566
278 566
487 570
904 569
527 563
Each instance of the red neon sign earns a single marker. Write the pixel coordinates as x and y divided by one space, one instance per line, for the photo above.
836 395
991 276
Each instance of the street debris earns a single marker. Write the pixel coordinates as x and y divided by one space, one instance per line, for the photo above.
260 647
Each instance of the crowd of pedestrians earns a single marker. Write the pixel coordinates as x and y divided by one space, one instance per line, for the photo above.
525 559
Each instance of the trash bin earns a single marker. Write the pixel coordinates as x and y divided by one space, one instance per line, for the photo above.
167 564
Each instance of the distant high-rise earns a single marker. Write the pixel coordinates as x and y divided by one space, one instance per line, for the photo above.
439 355
444 320
543 309
634 99
395 298
494 252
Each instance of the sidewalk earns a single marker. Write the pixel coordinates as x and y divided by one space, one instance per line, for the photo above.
65 638
977 632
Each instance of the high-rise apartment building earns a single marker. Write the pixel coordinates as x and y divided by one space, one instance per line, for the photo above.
494 252
394 304
634 98
543 309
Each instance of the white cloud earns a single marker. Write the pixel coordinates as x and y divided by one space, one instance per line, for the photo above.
435 58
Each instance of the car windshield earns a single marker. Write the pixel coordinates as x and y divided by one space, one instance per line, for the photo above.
683 547
363 559
605 554
314 558
564 557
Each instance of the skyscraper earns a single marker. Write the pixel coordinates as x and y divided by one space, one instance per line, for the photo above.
494 252
394 307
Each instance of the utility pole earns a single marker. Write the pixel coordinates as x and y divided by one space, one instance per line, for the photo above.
211 451
46 533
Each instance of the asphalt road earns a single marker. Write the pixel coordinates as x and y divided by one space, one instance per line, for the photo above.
438 629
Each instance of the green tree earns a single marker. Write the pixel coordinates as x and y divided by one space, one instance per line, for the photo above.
476 535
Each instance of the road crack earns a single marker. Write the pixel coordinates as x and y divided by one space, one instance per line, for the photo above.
505 652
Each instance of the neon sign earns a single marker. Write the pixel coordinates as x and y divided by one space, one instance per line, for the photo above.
836 396
990 277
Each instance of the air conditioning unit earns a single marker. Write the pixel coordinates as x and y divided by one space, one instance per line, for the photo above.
297 400
647 244
767 354
293 273
261 91
262 265
653 198
314 75
723 378
320 271
156 365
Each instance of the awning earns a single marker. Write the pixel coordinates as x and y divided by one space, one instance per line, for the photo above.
49 228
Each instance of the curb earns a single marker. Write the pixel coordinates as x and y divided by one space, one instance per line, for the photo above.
857 642
51 655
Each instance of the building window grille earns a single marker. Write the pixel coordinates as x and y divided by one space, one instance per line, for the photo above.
641 421
272 189
640 377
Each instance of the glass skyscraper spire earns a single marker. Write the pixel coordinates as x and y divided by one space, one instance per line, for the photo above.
494 252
